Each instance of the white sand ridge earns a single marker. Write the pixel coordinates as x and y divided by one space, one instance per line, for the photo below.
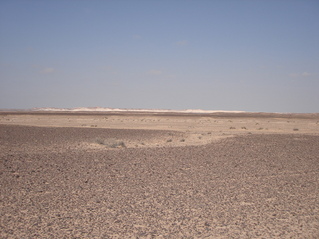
102 109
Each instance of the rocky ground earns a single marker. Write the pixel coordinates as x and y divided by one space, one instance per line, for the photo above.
65 183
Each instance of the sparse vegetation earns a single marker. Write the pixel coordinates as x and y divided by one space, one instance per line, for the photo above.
182 140
232 127
111 143
295 129
169 140
100 141
243 128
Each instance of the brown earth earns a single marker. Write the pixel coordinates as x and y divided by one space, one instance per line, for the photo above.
173 176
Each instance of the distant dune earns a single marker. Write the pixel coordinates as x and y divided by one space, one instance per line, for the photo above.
166 112
101 109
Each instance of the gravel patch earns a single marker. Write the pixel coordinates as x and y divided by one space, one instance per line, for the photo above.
255 186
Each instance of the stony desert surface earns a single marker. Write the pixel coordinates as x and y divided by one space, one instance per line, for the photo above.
159 175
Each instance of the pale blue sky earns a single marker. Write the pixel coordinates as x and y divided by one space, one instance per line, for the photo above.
248 55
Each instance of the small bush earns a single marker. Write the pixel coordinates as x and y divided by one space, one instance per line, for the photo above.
111 143
100 141
295 129
232 127
169 140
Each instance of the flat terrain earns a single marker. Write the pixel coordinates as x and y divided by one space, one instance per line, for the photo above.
125 175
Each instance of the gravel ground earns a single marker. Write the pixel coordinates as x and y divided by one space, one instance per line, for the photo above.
255 186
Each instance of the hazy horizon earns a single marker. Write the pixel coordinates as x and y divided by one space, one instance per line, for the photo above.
255 56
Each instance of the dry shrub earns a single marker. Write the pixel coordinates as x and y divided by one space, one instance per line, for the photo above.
111 143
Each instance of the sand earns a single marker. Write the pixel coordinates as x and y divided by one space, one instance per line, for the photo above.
222 175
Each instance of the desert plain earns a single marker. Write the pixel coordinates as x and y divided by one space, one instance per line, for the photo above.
158 175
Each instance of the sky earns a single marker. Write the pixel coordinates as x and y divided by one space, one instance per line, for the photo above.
246 55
